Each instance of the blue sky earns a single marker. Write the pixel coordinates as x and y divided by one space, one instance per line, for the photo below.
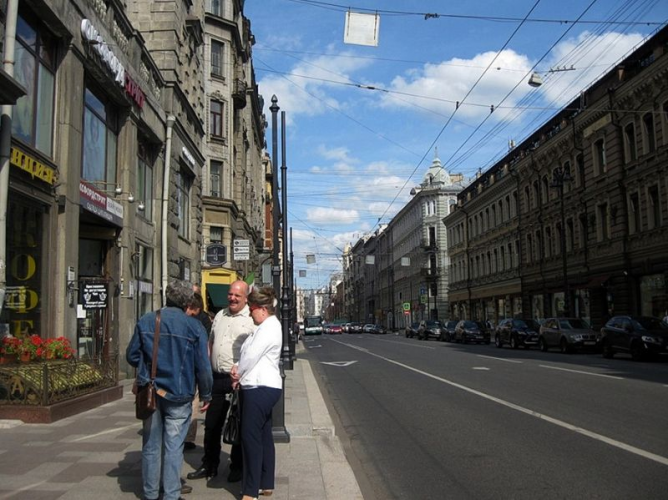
354 153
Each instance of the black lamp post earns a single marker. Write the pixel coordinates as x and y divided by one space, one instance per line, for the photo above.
285 296
275 266
560 177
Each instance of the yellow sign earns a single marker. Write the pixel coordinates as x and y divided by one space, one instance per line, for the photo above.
33 167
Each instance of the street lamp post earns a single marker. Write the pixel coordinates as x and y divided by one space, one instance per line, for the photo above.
275 266
560 177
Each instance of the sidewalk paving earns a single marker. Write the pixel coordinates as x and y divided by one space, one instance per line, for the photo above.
97 454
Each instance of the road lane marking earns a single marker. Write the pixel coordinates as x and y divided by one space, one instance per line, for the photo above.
341 364
579 430
500 359
484 368
108 431
581 372
405 344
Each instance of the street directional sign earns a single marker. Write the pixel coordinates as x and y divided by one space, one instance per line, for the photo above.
241 249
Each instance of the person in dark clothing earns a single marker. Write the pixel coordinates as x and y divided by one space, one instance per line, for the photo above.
230 328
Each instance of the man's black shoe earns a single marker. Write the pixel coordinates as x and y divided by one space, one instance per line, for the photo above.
189 445
185 489
234 476
201 473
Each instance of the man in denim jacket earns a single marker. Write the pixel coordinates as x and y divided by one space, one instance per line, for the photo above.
183 363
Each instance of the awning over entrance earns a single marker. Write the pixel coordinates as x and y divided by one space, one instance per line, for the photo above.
217 295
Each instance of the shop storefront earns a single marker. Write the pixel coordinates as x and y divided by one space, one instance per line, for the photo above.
653 295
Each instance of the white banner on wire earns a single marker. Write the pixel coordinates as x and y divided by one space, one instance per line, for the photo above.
361 29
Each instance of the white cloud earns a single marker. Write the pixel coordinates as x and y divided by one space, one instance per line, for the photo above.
450 81
591 56
329 215
313 95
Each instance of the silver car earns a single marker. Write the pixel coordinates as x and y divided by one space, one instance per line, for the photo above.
568 334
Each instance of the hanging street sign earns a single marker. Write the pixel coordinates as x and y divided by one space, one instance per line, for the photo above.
407 306
216 254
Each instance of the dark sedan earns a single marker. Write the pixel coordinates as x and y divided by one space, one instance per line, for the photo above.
412 329
472 331
448 330
516 333
639 336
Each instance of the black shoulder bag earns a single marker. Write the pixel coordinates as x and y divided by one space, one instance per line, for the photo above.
232 427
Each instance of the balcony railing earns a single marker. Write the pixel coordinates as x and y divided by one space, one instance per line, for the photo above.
239 93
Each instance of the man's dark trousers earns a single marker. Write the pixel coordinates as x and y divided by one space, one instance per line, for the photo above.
213 426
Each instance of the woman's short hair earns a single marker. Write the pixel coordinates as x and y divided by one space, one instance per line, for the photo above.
178 294
265 297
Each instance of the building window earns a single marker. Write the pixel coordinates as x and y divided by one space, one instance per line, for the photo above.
603 222
529 248
583 230
536 194
144 274
546 189
32 120
216 7
217 58
600 162
527 197
648 130
540 251
216 119
567 175
548 242
183 185
654 207
99 140
145 179
634 213
216 234
630 150
216 176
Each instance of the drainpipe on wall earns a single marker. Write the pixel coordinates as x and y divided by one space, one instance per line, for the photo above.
165 203
6 143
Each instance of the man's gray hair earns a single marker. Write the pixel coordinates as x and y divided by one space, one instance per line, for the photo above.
179 294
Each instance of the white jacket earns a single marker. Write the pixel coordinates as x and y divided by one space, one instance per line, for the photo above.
260 356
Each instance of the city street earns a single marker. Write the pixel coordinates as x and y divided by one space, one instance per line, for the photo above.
431 420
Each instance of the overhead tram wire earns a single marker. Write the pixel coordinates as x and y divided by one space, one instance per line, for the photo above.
457 107
522 108
436 15
377 134
519 82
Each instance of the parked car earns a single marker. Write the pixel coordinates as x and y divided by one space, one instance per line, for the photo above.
412 329
368 328
379 329
429 328
639 336
355 328
568 334
517 332
472 331
336 329
448 330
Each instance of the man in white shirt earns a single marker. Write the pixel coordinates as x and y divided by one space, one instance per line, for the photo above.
230 328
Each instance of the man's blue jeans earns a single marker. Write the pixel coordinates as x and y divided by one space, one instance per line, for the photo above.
162 448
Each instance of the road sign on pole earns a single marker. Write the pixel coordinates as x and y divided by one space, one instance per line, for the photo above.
241 249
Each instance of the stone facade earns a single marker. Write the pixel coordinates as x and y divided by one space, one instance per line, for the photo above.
574 220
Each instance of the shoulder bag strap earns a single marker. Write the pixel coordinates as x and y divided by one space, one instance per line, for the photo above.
156 339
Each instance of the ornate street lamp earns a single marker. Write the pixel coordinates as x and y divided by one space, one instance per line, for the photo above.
560 176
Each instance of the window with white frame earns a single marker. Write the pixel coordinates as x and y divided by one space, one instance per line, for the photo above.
216 178
145 179
99 139
183 185
32 119
217 58
216 128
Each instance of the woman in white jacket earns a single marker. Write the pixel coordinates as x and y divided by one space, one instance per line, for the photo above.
258 374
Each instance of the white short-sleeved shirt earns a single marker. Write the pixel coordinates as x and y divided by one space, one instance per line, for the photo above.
228 333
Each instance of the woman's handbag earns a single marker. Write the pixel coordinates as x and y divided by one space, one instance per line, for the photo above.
232 426
146 400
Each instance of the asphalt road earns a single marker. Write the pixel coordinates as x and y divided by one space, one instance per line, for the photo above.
431 420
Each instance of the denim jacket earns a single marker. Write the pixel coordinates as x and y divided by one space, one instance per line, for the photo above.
183 358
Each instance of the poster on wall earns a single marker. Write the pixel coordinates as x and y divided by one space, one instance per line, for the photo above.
94 295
